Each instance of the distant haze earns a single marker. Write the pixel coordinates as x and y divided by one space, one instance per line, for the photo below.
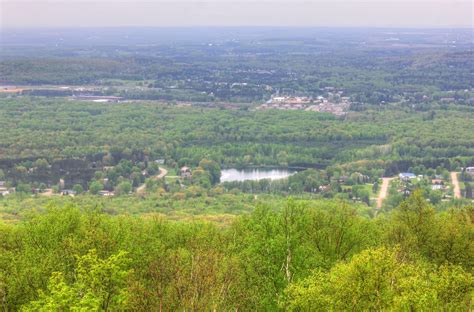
349 13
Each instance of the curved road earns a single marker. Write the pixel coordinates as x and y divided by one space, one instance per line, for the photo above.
162 174
457 189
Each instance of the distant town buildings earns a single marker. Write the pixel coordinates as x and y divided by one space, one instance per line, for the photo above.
406 176
470 170
10 89
68 192
98 98
334 103
4 190
106 193
185 172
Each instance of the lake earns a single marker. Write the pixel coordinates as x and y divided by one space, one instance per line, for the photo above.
231 175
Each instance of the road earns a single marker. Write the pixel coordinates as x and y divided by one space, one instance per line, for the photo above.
162 174
383 191
47 193
457 189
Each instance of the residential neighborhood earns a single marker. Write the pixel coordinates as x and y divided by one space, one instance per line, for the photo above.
334 103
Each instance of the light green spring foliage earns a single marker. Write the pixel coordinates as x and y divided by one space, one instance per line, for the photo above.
302 256
383 280
98 285
442 237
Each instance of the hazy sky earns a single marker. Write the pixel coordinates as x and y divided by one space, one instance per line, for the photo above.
362 13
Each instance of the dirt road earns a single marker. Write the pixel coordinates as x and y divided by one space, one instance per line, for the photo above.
47 193
457 189
162 174
383 191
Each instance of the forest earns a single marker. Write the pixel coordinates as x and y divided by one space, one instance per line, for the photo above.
299 255
46 139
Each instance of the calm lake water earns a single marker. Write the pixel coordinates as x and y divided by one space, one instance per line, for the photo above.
230 175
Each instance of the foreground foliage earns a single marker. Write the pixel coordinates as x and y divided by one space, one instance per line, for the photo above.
383 279
304 256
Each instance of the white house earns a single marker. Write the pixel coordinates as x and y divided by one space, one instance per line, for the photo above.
405 176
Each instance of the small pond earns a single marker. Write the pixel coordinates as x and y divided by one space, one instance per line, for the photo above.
231 175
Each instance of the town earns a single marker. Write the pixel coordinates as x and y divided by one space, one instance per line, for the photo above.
335 103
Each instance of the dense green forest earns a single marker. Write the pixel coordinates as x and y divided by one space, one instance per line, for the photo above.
113 146
297 255
50 128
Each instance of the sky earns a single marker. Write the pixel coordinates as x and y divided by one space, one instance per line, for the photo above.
164 13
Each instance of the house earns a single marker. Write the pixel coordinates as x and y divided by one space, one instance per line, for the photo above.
185 172
68 192
406 176
10 89
278 99
160 161
447 99
437 181
343 179
98 99
470 170
106 193
4 191
323 188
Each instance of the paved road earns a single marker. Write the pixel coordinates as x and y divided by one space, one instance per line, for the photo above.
162 174
457 189
383 191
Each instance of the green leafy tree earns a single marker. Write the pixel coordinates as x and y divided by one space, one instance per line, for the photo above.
382 280
78 189
202 178
375 187
413 225
468 190
95 187
213 168
453 239
123 188
99 284
42 187
55 189
41 164
23 188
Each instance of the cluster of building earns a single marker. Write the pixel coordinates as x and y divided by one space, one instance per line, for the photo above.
185 173
98 98
334 103
437 183
10 89
4 190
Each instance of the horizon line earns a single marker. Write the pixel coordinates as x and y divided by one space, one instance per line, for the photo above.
29 28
